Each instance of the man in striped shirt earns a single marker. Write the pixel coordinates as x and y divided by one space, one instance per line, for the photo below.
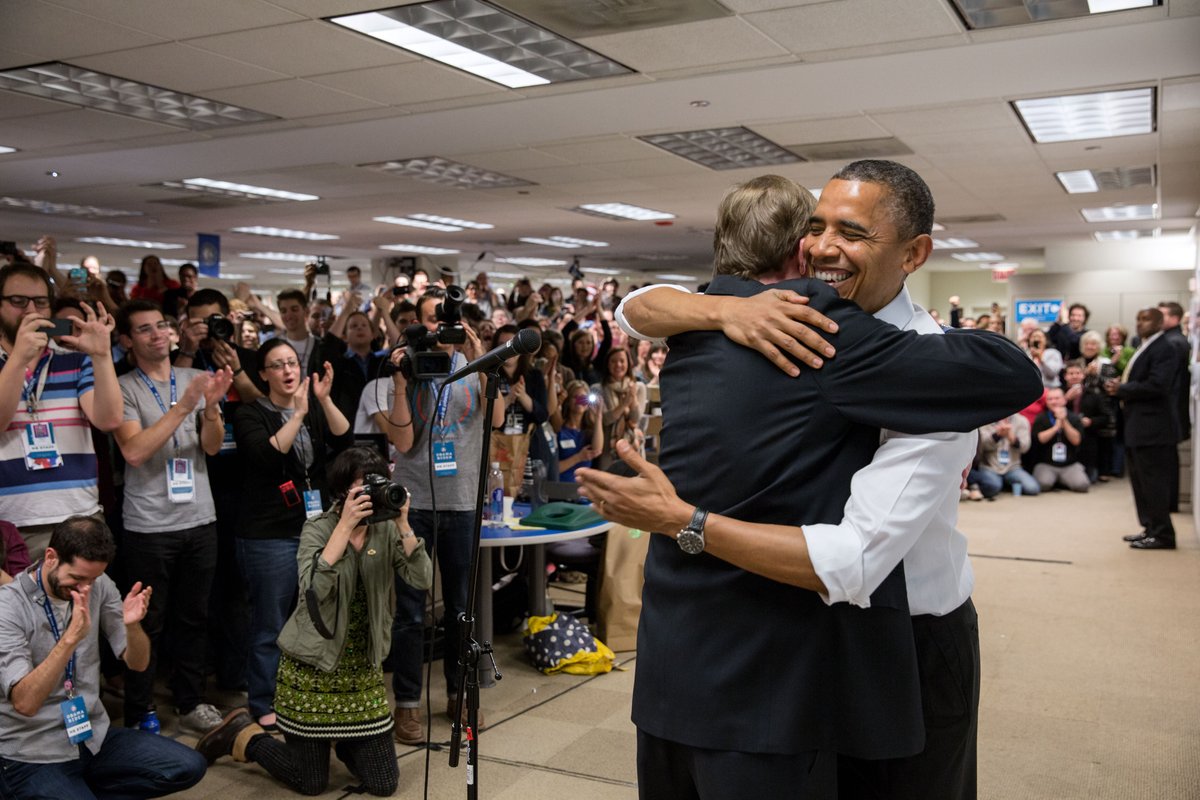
48 401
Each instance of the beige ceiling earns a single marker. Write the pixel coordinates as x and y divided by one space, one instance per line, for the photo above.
797 71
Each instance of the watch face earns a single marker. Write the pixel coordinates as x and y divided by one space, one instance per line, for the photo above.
691 541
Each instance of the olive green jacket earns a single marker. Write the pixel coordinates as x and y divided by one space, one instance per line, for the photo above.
381 558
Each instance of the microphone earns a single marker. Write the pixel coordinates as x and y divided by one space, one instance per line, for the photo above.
527 340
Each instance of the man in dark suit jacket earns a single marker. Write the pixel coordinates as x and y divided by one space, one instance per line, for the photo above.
1147 394
1173 333
742 674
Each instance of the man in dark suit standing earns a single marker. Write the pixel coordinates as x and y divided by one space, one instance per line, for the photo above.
779 675
1147 393
1173 333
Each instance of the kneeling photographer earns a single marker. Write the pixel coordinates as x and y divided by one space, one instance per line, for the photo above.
330 681
418 421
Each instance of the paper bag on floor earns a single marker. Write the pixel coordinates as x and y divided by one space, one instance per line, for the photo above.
620 601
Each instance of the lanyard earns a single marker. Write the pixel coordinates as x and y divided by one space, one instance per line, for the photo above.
69 677
302 443
158 399
41 371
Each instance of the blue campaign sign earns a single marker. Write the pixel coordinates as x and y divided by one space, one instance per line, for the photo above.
1041 310
208 254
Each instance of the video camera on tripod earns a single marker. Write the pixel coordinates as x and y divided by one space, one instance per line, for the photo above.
421 360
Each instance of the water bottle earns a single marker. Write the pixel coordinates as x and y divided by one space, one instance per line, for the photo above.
149 722
495 506
1017 488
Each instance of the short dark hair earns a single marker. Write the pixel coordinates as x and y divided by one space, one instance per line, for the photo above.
83 537
292 294
351 463
509 328
127 310
206 297
66 302
264 351
29 271
908 199
1086 313
188 267
1172 308
1077 363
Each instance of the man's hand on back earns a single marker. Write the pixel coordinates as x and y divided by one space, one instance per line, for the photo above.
776 322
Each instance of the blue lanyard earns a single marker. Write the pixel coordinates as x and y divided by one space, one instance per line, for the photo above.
36 382
158 399
69 678
444 401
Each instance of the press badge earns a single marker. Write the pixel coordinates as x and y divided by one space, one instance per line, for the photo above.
1058 453
511 426
181 484
444 463
1003 456
41 448
228 443
75 717
312 503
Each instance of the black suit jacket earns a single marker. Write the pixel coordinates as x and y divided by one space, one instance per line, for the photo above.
1183 380
1148 397
730 660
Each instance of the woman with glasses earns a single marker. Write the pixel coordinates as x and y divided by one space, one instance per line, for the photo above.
285 440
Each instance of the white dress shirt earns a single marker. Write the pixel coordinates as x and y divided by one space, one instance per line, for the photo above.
903 505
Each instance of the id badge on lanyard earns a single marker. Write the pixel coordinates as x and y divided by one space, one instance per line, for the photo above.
445 463
1058 453
181 483
38 442
74 710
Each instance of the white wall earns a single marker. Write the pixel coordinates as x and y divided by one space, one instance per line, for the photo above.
1110 295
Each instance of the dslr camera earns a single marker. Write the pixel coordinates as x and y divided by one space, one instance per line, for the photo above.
421 361
219 328
387 498
322 265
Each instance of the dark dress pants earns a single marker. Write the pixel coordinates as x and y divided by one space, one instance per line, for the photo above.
1150 471
948 661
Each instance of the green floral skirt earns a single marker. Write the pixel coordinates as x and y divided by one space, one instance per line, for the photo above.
349 702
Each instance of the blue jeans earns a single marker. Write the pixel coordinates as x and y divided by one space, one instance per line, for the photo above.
131 764
454 561
269 568
990 483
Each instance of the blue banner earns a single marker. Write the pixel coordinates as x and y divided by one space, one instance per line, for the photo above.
1044 311
208 254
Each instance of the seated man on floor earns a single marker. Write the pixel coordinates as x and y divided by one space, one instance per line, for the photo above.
1057 434
55 738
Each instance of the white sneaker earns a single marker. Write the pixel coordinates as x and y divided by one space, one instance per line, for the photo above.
200 720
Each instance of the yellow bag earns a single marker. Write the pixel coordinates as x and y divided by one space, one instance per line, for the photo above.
563 644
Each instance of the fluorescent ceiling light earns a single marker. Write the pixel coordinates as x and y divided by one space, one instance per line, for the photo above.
1120 213
953 243
286 271
563 241
622 211
461 223
978 256
285 233
1104 6
226 187
937 226
419 248
1005 13
444 172
280 257
503 48
84 87
602 271
1095 180
724 148
4 150
1095 115
63 209
1078 181
531 262
416 223
168 262
670 276
514 276
111 242
1116 236
236 276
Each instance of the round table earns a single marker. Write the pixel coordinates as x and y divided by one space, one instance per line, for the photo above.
538 538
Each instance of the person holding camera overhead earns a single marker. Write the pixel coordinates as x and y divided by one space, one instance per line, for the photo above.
285 440
330 681
452 421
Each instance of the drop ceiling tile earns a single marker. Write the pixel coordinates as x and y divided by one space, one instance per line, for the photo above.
810 131
304 48
74 127
948 119
328 8
651 168
178 21
750 6
16 104
74 34
550 176
1184 8
600 150
1180 94
719 41
854 23
887 48
10 58
977 142
343 118
179 67
401 84
292 99
507 161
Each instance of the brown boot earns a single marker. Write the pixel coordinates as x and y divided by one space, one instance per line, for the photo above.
409 729
230 737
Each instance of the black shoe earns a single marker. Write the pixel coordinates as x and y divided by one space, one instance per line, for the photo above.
1135 537
219 741
1153 543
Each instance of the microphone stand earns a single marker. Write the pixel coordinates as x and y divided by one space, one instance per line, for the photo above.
471 651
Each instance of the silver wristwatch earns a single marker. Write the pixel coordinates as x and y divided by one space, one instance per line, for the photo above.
691 538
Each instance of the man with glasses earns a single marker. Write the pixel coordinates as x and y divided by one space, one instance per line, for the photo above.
172 419
48 401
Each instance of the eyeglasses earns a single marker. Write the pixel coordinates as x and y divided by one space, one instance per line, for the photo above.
21 301
146 330
291 363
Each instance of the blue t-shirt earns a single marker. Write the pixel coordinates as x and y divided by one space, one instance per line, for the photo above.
570 442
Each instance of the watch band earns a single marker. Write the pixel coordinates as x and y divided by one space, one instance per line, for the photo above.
699 517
